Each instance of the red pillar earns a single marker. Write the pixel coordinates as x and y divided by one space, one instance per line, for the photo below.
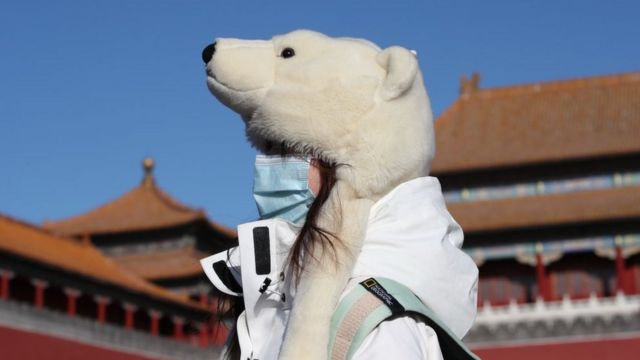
204 336
6 277
72 296
102 302
129 311
204 328
178 328
155 322
38 299
542 278
219 333
621 271
204 299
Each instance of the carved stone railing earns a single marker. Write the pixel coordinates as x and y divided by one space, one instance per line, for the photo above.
25 317
592 317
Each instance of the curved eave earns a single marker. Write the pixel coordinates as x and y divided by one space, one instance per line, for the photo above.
144 208
168 302
25 241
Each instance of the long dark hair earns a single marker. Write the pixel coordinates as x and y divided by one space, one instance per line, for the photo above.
311 236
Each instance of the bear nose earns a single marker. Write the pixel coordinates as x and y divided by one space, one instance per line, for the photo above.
207 53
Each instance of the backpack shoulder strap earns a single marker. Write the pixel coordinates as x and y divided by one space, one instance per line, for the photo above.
378 299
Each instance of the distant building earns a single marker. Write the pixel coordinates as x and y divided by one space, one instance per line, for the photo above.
64 299
545 181
151 234
120 282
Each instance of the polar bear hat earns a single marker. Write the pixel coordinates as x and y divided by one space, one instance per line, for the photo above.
347 102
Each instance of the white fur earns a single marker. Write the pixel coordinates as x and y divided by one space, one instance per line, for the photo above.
346 101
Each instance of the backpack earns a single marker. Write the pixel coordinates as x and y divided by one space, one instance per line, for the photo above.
376 300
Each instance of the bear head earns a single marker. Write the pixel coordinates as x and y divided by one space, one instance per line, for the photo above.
340 99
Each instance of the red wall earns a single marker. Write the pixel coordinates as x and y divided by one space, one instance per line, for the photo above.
22 345
619 349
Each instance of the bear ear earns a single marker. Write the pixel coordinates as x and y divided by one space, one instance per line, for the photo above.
401 67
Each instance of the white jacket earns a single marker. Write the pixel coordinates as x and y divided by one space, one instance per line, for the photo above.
411 238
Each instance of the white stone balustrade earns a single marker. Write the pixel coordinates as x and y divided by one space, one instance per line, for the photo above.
566 309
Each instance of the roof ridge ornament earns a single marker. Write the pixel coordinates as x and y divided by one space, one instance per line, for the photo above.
147 166
469 86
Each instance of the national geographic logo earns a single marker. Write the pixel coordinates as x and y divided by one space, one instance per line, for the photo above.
381 293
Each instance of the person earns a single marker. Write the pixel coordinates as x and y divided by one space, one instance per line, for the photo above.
369 265
411 238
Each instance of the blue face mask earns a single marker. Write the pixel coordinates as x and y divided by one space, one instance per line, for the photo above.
281 187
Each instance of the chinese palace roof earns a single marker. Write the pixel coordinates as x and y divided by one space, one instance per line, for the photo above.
523 126
146 207
540 122
30 242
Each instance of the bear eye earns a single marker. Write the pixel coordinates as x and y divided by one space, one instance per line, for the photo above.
287 53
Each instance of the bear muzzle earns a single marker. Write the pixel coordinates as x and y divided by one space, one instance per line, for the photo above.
207 52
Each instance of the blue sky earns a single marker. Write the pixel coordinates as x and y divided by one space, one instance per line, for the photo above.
89 88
